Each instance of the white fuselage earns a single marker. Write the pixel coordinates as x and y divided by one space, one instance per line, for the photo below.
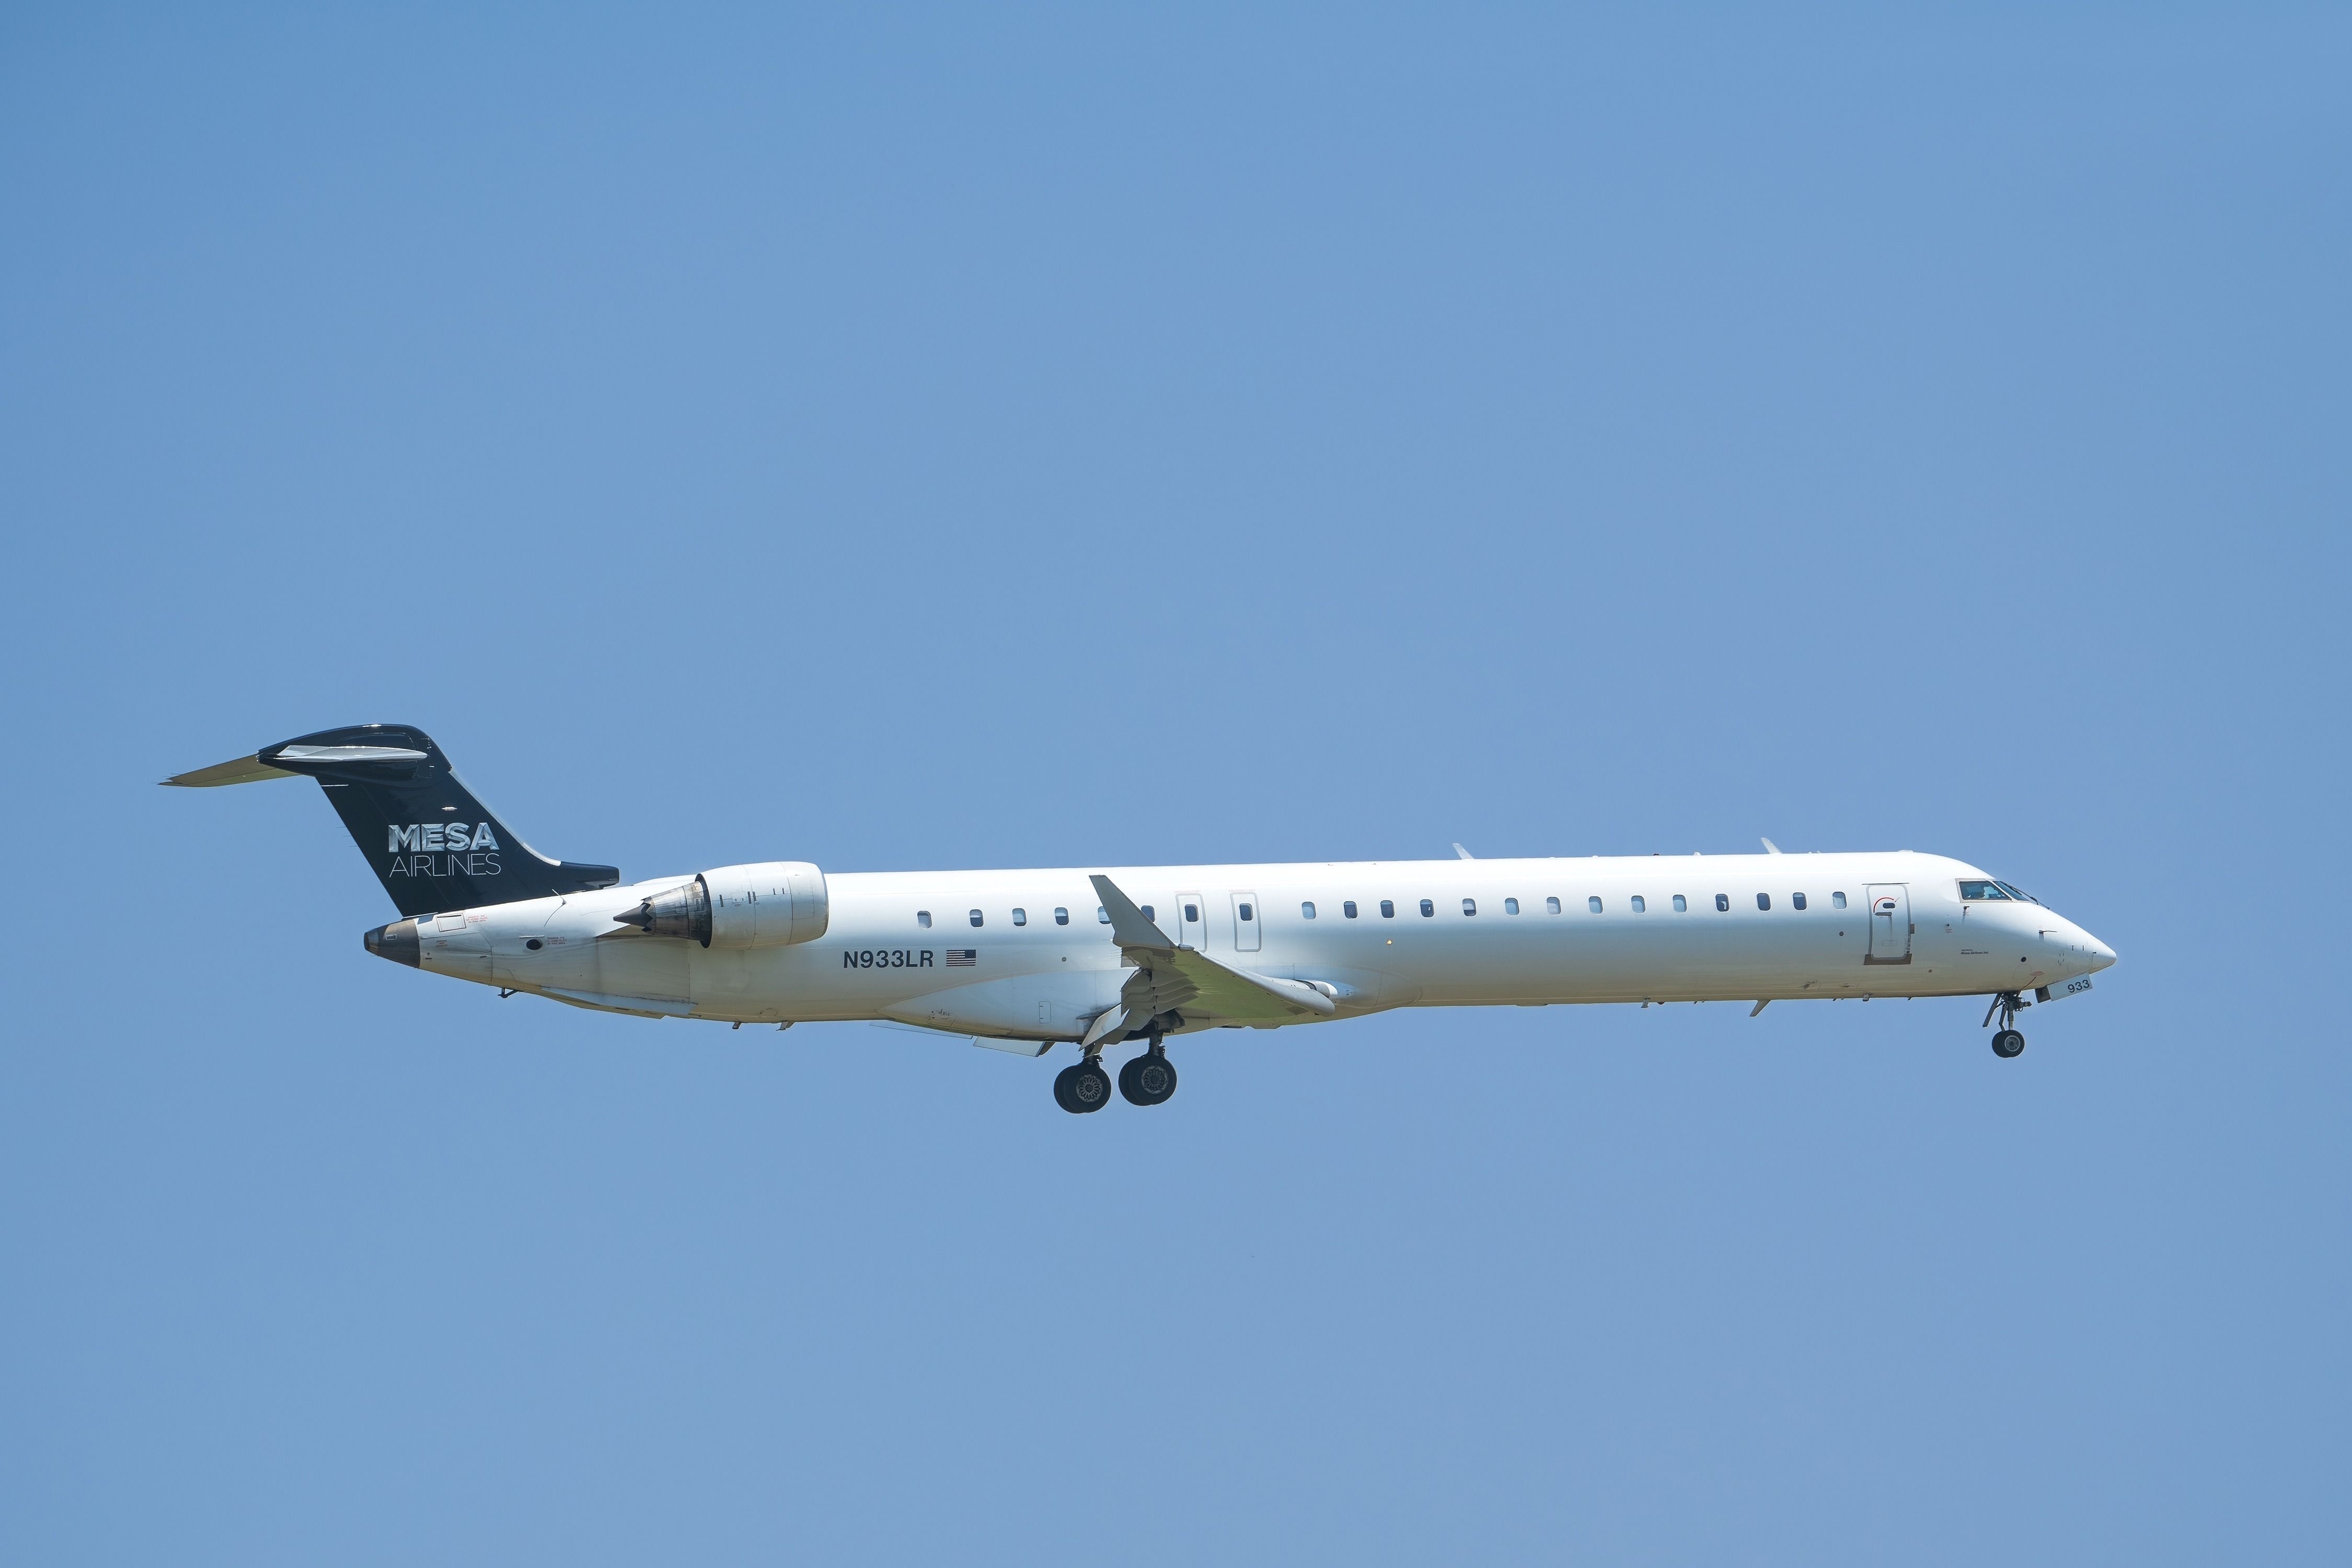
1025 955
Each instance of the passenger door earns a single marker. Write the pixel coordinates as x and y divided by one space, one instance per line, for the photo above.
1192 922
1890 923
1248 922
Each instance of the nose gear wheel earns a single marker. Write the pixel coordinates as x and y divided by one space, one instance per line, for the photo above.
2008 1043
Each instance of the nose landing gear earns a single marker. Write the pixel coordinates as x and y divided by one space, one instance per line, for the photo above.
2007 1043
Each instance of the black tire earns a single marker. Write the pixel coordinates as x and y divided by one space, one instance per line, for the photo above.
1081 1089
1149 1079
2008 1043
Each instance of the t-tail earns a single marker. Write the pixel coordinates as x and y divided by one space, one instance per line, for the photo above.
431 842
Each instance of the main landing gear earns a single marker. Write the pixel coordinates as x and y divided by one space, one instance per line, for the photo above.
1083 1087
1149 1079
2007 1043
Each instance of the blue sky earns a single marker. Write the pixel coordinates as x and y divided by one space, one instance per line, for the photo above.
928 439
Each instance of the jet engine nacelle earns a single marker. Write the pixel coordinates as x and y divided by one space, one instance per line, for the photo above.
772 904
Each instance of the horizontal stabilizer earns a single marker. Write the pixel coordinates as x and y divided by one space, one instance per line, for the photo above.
293 762
239 769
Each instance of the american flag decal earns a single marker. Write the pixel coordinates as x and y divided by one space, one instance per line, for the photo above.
962 957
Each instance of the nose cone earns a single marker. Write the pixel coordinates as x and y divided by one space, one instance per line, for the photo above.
2095 955
396 942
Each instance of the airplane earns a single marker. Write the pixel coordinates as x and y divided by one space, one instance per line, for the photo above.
1024 961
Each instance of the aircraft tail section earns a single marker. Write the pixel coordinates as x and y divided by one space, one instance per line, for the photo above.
432 843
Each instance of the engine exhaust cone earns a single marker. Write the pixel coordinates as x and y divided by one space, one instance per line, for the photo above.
683 911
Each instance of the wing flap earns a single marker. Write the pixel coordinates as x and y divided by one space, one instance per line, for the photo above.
1249 998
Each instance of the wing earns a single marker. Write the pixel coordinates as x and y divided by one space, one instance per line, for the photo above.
1168 977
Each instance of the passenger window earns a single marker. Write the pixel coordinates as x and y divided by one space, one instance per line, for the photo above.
1149 914
1245 913
1020 917
975 917
1552 906
1060 916
1306 912
1593 904
1428 908
1837 900
1798 899
1682 905
1640 907
1510 906
1388 909
1723 903
1469 905
923 919
1191 912
1763 900
1349 909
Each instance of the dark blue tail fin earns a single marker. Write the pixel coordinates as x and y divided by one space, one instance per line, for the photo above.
433 844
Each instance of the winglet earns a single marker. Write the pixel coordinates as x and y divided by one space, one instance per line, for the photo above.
1771 848
1128 926
1463 852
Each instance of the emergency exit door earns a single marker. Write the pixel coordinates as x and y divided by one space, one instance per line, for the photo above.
1890 923
1246 922
1193 926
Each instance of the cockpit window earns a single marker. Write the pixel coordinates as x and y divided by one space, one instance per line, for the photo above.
2014 891
1982 890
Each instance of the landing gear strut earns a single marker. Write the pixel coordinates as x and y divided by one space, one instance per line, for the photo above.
1083 1087
1151 1077
2008 1042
